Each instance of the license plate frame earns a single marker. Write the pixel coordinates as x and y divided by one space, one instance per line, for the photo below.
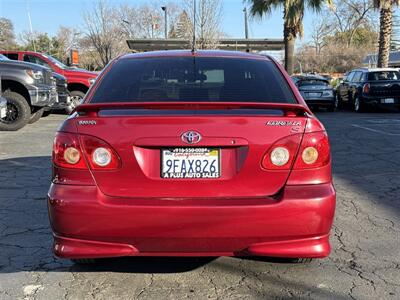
210 170
314 94
388 101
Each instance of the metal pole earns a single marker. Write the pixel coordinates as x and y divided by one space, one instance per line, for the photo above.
194 26
246 26
30 26
164 8
152 27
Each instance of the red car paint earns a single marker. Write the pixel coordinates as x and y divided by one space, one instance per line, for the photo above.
253 208
78 79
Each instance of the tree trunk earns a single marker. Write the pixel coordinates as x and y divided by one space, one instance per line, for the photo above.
385 36
289 40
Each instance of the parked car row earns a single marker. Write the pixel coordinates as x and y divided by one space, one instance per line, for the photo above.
34 83
360 89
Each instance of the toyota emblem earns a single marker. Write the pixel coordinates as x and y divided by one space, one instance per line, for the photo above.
191 137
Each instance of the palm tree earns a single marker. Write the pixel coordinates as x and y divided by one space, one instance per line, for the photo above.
293 13
385 31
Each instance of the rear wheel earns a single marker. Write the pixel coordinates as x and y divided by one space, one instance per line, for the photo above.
338 102
358 105
18 112
331 108
76 99
36 115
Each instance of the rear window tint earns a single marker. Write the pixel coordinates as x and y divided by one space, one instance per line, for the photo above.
13 56
312 82
384 75
193 79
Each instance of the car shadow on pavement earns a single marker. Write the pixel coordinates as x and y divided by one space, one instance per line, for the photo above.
162 264
146 265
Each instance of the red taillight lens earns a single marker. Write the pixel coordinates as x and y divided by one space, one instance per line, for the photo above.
280 155
99 154
70 151
314 151
67 152
366 88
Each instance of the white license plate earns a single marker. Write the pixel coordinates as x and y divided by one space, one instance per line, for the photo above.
314 94
190 163
388 100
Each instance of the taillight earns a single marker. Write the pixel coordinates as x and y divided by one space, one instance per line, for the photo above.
99 154
280 156
314 151
72 151
366 88
67 152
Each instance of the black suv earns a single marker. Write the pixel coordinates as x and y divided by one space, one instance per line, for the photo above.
363 87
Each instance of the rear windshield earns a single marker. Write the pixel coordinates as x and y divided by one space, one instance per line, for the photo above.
193 79
312 82
384 75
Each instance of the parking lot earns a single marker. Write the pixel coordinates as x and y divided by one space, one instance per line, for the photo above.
364 263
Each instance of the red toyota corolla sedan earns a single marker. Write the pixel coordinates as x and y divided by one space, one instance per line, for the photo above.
181 153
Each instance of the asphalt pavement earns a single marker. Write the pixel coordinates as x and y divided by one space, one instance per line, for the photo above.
364 263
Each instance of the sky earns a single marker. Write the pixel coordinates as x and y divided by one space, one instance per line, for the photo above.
48 15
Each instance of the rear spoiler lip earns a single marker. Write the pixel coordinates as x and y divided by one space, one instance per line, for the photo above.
297 109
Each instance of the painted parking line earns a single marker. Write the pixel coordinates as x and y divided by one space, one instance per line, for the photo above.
384 121
375 130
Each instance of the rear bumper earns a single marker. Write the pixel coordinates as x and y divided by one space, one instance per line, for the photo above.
380 101
321 101
87 224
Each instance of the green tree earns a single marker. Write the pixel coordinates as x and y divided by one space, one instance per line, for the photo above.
362 37
385 30
41 42
293 13
7 36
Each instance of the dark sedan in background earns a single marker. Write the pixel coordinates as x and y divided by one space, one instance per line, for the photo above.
316 91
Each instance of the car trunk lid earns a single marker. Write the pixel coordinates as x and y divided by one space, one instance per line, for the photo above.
386 88
240 133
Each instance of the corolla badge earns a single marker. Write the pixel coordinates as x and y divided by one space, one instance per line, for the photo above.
283 123
87 122
191 137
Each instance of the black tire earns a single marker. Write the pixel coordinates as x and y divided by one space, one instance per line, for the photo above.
83 261
338 103
303 260
358 106
18 112
331 108
46 113
76 98
35 116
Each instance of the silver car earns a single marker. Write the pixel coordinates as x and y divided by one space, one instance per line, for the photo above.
316 91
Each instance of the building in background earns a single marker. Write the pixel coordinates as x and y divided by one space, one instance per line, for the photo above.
372 59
